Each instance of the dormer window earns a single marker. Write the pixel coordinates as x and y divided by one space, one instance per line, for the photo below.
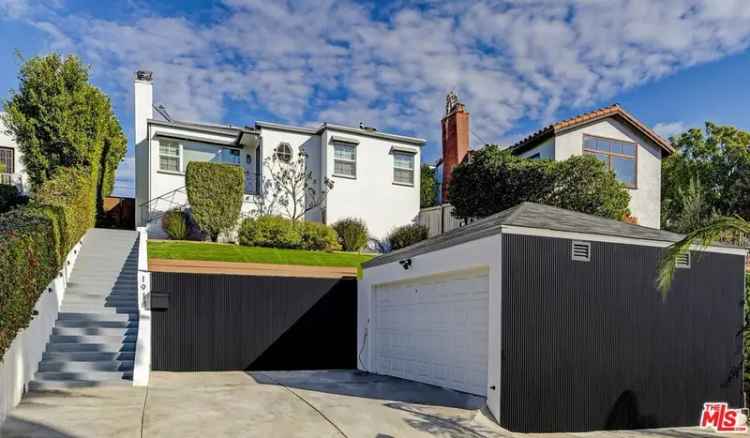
619 156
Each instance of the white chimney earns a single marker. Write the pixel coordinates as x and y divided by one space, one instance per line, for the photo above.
143 98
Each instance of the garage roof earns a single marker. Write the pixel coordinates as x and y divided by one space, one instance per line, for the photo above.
529 215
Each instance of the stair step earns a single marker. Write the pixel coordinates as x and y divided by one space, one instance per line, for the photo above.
99 308
87 356
67 384
98 365
101 317
96 323
79 347
92 339
94 331
98 376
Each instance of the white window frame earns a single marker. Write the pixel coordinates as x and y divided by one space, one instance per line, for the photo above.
344 160
395 167
179 157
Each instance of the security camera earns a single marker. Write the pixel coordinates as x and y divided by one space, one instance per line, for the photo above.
405 263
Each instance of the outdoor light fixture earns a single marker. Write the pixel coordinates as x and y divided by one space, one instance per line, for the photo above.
405 263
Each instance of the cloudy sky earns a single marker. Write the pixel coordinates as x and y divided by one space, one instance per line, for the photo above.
516 65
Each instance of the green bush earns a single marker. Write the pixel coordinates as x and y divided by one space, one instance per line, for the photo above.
215 194
10 198
175 224
495 180
352 233
28 262
318 237
407 235
270 231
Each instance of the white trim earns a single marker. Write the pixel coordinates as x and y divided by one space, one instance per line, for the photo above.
541 232
142 363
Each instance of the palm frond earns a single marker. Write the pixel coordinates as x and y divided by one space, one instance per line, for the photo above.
719 229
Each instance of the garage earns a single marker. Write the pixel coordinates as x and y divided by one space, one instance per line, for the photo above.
554 317
434 330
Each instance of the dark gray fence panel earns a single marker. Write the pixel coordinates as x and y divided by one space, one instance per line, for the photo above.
227 322
591 345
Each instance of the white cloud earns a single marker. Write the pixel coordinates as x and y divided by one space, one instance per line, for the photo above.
309 61
669 129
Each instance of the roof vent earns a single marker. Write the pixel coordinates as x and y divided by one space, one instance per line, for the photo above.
683 260
363 126
580 251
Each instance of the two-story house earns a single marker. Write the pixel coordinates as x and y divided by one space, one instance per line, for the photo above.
623 143
13 172
375 174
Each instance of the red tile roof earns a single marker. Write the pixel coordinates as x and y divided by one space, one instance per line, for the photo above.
592 116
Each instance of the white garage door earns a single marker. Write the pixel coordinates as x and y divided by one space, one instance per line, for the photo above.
434 331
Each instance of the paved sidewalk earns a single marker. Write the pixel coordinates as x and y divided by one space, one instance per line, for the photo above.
270 404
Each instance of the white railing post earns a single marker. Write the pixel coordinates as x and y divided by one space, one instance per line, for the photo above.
142 364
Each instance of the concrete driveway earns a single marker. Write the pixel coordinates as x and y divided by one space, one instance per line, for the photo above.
266 404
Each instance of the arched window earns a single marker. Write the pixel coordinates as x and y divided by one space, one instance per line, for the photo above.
284 152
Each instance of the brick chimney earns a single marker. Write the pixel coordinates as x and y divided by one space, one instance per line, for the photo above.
455 138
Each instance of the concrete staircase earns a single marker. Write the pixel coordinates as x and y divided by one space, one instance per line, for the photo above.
93 341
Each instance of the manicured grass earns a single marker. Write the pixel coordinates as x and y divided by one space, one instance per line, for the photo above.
220 252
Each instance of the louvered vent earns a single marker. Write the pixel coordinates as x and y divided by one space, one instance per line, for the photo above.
581 251
683 260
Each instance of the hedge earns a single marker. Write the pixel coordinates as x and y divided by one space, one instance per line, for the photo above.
215 194
407 235
10 198
352 233
280 232
34 240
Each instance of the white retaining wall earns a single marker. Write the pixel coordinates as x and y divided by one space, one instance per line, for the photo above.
21 360
142 364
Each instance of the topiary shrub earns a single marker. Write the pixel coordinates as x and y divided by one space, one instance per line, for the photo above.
215 194
175 223
318 237
270 231
407 235
352 233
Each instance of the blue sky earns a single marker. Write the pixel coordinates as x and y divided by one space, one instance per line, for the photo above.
516 65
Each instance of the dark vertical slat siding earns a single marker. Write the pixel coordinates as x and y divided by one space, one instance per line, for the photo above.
225 322
591 345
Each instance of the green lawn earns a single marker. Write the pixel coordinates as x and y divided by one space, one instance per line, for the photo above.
182 250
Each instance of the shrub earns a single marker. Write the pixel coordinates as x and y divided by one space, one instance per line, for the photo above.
175 224
215 194
428 186
10 198
352 233
28 262
270 231
318 237
407 235
495 180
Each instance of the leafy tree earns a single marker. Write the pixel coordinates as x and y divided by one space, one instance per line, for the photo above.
60 120
215 193
428 188
718 160
494 180
290 188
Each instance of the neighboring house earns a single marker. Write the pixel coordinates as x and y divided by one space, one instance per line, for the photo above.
10 156
555 318
375 174
626 145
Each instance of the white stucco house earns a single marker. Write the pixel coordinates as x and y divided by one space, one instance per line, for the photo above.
375 174
626 145
10 156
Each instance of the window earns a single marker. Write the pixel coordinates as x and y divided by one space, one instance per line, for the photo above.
169 156
580 251
7 159
345 160
403 168
618 156
229 156
284 152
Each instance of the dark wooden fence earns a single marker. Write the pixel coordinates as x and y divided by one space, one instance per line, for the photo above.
592 345
216 322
